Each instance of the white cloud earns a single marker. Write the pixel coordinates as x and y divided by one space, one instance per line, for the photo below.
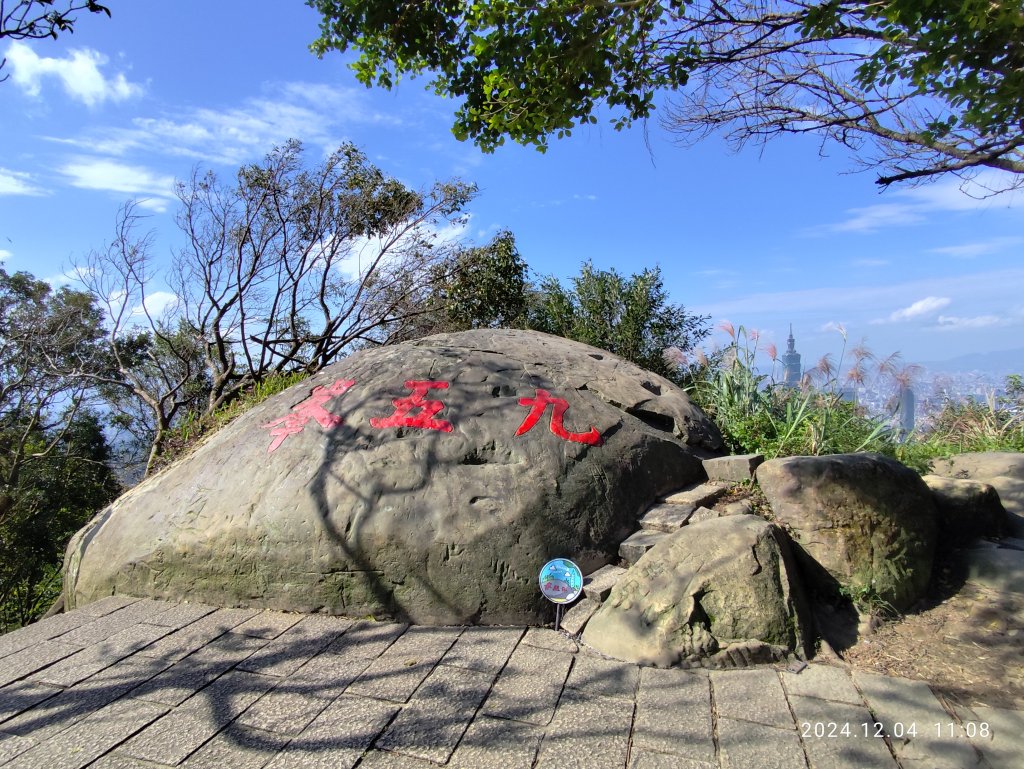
17 183
154 190
234 135
926 306
79 74
159 304
5 255
953 323
972 250
832 325
916 204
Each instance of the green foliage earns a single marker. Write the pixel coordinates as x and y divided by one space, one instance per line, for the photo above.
630 317
522 70
483 287
54 496
995 424
756 414
932 85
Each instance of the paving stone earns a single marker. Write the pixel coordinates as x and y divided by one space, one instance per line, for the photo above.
587 732
823 681
1005 745
367 639
498 743
603 677
44 630
749 745
529 686
291 650
553 640
485 649
36 657
186 677
578 615
71 706
268 624
598 585
702 494
23 695
182 614
91 738
908 712
383 759
736 468
338 737
109 625
12 745
673 714
752 695
430 726
117 761
843 726
182 731
91 660
107 605
633 547
640 758
397 673
293 704
188 639
237 747
666 518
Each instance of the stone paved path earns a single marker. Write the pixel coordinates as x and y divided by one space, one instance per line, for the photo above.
141 684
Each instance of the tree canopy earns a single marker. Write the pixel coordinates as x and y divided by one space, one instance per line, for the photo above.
917 88
40 19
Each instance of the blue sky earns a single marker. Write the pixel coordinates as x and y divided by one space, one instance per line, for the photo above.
763 238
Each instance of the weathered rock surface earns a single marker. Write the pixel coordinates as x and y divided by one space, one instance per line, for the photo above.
736 468
981 465
426 481
701 589
1003 470
966 509
867 519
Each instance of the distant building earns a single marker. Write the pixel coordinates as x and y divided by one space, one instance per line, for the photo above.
791 371
906 411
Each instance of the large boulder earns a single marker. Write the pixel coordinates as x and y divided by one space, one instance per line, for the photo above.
725 582
966 509
1003 470
867 519
427 481
981 465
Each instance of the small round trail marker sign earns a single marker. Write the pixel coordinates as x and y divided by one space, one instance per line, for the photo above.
561 581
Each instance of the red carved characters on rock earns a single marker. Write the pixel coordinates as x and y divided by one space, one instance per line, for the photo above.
427 409
311 408
537 406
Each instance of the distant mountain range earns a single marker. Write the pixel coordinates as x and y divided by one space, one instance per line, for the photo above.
999 363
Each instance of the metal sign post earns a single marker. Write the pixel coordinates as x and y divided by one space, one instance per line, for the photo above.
561 582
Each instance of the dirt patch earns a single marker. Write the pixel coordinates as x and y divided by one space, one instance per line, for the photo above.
966 641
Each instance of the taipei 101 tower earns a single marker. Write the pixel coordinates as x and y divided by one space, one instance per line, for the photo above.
791 362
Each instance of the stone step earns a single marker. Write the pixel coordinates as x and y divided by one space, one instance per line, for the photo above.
667 518
737 468
701 494
598 585
639 543
577 617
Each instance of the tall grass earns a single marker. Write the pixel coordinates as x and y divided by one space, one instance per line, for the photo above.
758 414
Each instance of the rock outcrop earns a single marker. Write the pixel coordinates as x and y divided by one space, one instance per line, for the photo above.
427 481
723 583
867 519
966 510
1003 470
